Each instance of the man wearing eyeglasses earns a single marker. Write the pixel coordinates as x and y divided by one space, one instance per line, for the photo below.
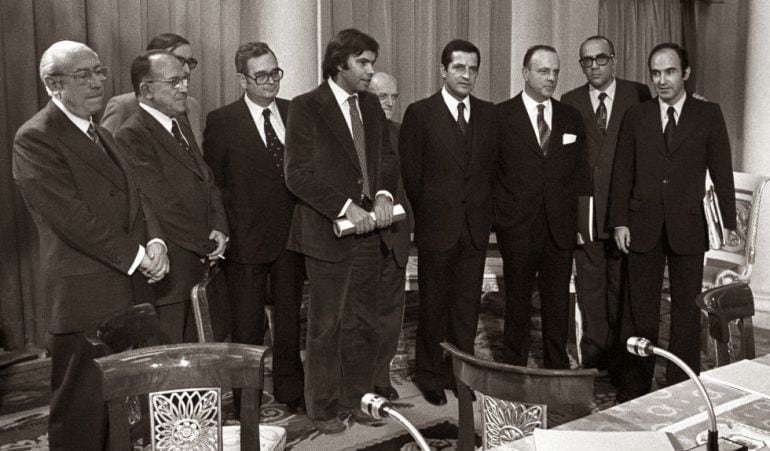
542 170
171 171
98 236
244 145
121 107
602 102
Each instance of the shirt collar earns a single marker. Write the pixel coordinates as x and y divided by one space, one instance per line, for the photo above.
79 122
610 91
256 110
340 94
677 108
164 120
451 102
531 104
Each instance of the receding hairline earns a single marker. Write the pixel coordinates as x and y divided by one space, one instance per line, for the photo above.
599 38
53 57
383 77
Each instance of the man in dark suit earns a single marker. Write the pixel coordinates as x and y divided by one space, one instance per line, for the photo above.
541 171
243 145
121 107
602 102
447 148
168 165
93 226
339 163
664 149
391 295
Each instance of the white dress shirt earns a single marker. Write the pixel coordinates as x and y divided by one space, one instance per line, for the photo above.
259 119
452 103
531 105
593 93
664 110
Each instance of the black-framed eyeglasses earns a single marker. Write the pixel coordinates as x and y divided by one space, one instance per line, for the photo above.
175 82
86 76
601 59
191 62
262 78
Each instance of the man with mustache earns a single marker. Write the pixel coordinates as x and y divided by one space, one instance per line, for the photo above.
166 160
541 170
340 164
447 148
664 149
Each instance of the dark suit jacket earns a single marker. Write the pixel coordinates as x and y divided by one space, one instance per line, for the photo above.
259 206
652 187
322 168
446 188
181 188
401 230
601 146
525 178
90 217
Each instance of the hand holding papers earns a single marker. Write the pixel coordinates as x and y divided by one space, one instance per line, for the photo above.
343 227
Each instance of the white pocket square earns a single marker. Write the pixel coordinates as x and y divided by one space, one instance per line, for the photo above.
568 138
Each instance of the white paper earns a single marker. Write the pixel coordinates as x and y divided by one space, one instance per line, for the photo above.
745 375
556 440
343 227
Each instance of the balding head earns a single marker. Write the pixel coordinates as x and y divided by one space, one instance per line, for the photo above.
72 73
58 56
385 87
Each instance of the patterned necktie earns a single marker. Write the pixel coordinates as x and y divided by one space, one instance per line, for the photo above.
359 142
274 145
92 133
668 133
179 136
542 129
601 113
461 118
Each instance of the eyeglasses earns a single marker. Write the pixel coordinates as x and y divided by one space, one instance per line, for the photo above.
175 82
191 62
601 59
262 78
86 76
391 97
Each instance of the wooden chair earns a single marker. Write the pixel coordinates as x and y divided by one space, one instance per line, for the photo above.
211 310
184 383
730 307
506 389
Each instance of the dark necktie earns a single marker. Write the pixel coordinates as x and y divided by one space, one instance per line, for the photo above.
359 142
542 128
668 133
461 118
179 136
274 145
601 113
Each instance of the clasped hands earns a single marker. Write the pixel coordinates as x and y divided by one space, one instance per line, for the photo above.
155 264
383 215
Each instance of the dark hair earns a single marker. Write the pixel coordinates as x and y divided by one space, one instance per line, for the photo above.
531 51
681 51
248 51
598 37
347 42
141 68
458 45
167 41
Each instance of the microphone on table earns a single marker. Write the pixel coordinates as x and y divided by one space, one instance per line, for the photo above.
378 408
643 347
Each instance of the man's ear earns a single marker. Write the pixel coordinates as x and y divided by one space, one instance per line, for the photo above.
144 90
686 74
53 84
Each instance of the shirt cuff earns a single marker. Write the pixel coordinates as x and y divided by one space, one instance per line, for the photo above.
344 208
137 260
385 193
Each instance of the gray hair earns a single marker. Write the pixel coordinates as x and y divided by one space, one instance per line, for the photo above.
54 57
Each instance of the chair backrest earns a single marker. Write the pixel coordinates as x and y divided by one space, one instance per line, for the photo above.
211 309
758 242
184 382
507 390
729 309
135 327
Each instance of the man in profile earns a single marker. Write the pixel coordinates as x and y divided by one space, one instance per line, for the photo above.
340 164
391 295
171 172
244 146
656 210
447 147
602 102
98 236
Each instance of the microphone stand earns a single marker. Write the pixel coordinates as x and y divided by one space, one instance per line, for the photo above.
378 407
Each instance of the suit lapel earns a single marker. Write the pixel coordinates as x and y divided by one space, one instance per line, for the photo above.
332 115
593 132
443 122
519 119
134 202
480 126
169 144
688 123
372 139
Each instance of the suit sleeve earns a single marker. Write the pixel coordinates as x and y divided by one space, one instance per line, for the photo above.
410 147
584 186
48 188
300 171
622 174
185 229
720 166
215 150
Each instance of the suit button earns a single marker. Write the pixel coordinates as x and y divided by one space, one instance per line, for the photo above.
360 181
665 181
112 193
596 167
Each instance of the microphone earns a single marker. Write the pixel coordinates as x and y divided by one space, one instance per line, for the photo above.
643 347
378 408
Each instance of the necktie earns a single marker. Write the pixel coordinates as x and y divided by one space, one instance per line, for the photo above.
92 133
358 141
601 113
542 129
668 133
179 136
461 118
274 145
